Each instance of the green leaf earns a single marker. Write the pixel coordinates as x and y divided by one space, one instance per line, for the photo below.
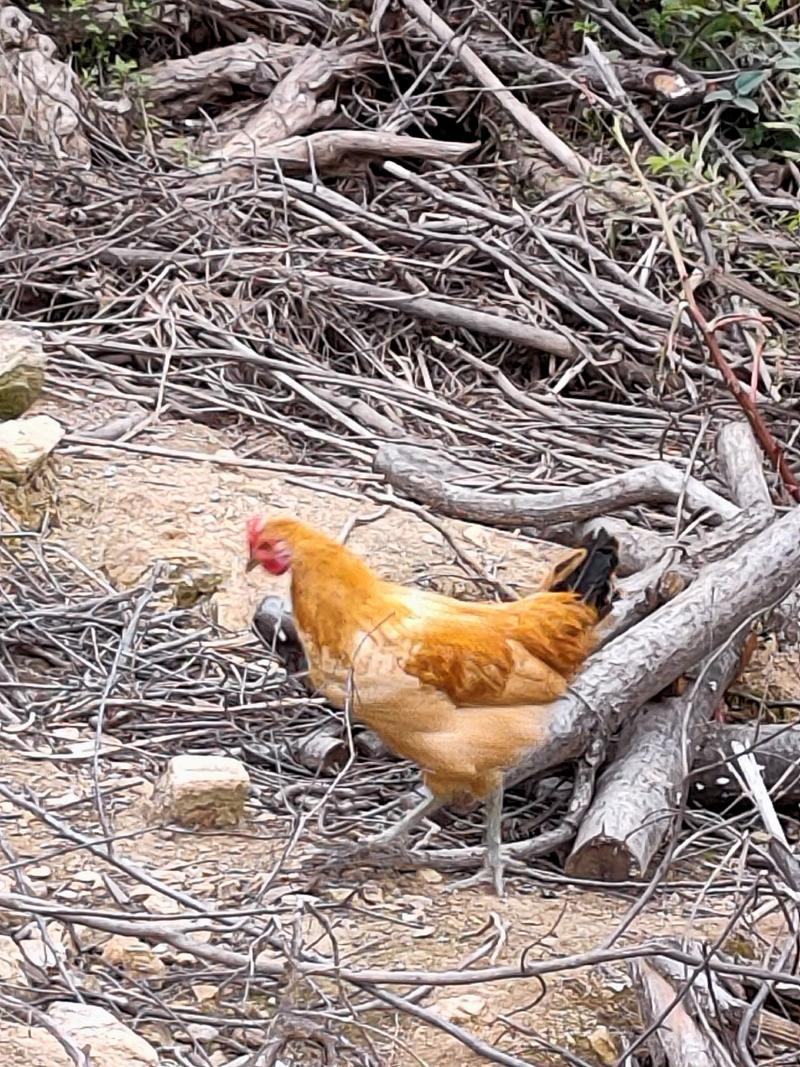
749 81
791 62
746 104
720 94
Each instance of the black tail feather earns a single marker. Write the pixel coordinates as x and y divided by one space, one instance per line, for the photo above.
592 580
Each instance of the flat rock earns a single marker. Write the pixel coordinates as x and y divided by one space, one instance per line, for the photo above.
111 1042
133 956
22 367
207 792
25 444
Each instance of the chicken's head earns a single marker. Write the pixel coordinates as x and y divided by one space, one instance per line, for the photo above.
268 546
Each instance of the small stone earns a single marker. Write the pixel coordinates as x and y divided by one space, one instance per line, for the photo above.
111 1043
12 962
204 992
202 1032
603 1045
22 367
9 920
39 960
25 444
429 875
133 956
40 872
208 792
91 878
339 894
461 1009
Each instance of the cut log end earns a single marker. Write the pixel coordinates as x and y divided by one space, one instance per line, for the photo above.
603 859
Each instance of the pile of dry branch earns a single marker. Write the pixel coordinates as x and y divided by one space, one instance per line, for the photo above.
339 224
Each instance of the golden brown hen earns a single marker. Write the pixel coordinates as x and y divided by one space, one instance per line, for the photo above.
460 688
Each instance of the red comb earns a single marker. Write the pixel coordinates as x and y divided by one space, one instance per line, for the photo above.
255 524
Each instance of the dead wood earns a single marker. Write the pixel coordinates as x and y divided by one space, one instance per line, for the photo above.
776 747
640 594
676 1038
639 548
430 479
333 150
295 105
176 87
638 795
626 673
558 149
551 79
41 98
441 311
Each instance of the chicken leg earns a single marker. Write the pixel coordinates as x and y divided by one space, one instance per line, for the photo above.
492 869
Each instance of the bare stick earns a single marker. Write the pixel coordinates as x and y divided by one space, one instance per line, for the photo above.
776 748
441 311
521 114
430 479
779 848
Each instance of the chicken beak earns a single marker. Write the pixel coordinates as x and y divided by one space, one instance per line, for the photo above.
251 565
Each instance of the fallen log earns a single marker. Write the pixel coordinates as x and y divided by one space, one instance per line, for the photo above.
639 793
675 1038
428 478
177 87
626 673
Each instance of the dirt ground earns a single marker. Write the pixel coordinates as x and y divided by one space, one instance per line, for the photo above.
122 511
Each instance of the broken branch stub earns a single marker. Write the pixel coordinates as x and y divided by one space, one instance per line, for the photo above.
638 793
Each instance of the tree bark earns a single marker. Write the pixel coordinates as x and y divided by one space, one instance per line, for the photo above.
428 478
639 793
626 673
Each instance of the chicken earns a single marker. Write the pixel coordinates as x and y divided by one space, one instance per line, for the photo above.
459 688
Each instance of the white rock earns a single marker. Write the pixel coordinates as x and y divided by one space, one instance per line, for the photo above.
22 366
203 791
25 444
40 960
111 1043
31 1046
461 1009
